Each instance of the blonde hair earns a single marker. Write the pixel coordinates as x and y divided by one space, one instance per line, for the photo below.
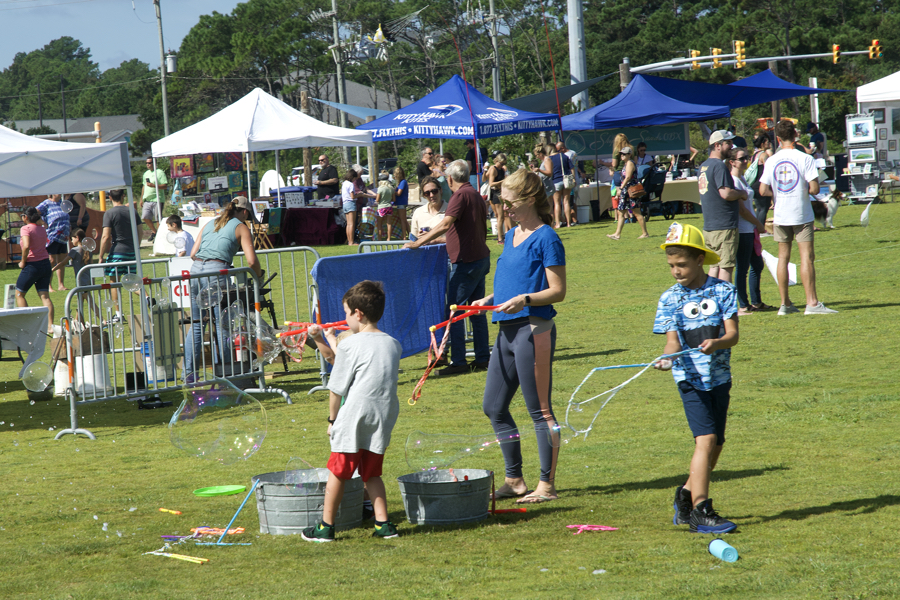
399 174
384 183
227 215
501 157
620 142
525 185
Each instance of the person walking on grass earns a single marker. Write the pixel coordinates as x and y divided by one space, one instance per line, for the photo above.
154 181
365 374
790 177
720 200
35 263
698 312
626 203
58 229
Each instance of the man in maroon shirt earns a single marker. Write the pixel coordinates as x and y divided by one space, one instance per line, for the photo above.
465 227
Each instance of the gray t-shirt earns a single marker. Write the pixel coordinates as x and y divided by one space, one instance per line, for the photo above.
76 256
117 219
717 213
365 374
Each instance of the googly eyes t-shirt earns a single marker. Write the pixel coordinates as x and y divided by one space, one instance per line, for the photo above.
698 315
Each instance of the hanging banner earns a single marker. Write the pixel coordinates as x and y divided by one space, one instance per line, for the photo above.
660 139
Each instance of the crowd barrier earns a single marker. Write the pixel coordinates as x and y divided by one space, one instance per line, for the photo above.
127 339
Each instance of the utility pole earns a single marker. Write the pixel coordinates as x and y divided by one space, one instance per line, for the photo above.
776 107
577 56
624 73
495 68
337 53
40 112
307 153
162 69
62 91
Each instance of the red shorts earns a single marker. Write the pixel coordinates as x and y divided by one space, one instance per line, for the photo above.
343 464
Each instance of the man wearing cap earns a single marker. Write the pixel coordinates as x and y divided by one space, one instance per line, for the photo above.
790 176
816 141
719 199
153 182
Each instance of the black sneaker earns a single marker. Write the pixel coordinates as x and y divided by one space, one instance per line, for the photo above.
683 506
704 519
318 533
455 370
385 531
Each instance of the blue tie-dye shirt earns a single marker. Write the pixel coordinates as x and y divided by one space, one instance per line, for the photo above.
698 315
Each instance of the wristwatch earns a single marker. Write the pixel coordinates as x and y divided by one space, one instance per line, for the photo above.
331 421
527 300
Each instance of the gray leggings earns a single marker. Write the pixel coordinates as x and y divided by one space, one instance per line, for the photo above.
523 356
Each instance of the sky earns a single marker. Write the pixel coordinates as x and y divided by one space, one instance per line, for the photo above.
112 29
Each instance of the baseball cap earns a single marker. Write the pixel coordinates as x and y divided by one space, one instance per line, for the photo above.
383 176
688 235
625 150
720 136
242 202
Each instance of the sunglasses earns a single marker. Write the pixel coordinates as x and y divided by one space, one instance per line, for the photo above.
431 192
742 159
322 160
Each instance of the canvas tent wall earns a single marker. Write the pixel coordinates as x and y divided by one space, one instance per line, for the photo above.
883 97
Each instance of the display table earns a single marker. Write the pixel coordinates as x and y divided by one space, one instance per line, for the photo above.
681 190
27 329
313 226
585 194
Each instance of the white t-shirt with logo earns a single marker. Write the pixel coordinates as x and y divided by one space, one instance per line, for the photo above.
788 174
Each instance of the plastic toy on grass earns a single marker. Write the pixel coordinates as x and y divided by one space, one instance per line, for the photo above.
219 422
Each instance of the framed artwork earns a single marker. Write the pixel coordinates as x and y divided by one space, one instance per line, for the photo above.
205 163
861 130
254 179
188 186
201 185
882 133
878 113
235 181
882 155
260 207
862 155
182 166
217 184
892 145
895 121
234 161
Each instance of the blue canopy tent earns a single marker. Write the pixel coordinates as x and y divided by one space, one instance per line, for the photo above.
768 87
639 105
450 111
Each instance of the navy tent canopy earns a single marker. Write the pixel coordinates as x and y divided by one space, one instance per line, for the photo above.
446 113
641 105
756 89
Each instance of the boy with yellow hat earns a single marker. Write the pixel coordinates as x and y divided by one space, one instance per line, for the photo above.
698 312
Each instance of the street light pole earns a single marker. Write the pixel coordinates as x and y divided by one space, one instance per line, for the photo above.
162 69
337 53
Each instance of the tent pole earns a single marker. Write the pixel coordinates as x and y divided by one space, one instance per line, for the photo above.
249 187
136 240
278 172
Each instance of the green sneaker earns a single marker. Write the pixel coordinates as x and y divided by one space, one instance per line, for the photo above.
385 531
318 533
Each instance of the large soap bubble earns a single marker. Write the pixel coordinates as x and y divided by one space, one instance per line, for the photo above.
89 244
179 243
66 206
170 237
300 478
37 377
217 421
264 344
209 297
131 282
431 451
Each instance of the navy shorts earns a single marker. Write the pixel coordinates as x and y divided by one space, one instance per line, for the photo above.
35 274
706 411
54 248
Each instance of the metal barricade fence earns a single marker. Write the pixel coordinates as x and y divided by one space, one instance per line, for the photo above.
125 339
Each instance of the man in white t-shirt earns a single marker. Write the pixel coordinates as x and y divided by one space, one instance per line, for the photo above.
790 176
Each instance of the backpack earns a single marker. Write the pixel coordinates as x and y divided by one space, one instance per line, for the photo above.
752 173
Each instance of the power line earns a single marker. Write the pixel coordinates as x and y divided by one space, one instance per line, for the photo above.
46 5
93 87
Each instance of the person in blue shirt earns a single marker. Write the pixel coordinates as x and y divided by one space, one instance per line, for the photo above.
401 199
530 278
698 312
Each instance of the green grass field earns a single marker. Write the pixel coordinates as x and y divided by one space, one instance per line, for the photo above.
809 472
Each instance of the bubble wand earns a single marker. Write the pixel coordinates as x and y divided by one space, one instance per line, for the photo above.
304 326
611 392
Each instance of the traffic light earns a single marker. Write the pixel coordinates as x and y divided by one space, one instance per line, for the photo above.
875 50
716 60
695 64
836 53
741 53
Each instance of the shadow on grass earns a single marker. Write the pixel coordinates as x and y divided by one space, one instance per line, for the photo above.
664 483
558 356
850 305
861 506
505 519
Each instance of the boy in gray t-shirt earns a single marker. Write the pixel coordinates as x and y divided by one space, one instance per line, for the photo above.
365 371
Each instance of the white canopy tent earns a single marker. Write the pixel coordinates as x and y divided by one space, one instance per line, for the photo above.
885 89
255 123
882 97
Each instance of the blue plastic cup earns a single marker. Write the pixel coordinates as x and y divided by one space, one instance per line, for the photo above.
722 550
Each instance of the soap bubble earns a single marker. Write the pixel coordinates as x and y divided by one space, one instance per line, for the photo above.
209 297
108 304
293 345
263 342
234 314
131 282
89 244
37 377
118 329
170 237
432 451
219 422
66 206
300 478
179 243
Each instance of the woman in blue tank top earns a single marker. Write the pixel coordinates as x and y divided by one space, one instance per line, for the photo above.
217 244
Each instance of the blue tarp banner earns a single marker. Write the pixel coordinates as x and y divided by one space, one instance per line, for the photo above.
415 284
446 113
660 139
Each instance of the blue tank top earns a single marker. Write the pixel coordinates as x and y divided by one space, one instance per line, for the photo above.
219 245
560 163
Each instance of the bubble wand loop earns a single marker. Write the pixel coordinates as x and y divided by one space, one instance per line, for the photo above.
612 391
305 326
436 351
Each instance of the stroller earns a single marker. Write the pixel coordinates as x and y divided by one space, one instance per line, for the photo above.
653 179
